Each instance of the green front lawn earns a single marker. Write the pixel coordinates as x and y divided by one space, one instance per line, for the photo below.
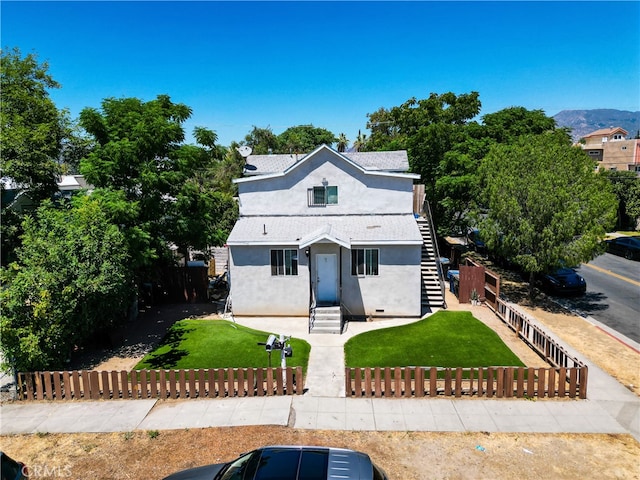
444 339
218 344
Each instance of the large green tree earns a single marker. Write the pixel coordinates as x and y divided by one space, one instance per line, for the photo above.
545 205
140 152
456 175
31 127
71 278
429 129
31 134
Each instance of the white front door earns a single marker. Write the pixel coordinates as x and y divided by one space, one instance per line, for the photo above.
326 278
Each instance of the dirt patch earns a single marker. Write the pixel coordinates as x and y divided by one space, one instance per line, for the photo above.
140 337
404 455
614 357
617 359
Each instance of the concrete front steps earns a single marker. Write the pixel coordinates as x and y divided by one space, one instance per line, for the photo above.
327 320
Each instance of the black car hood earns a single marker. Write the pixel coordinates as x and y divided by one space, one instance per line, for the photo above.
206 472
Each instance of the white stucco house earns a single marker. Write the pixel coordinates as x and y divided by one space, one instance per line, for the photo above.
328 235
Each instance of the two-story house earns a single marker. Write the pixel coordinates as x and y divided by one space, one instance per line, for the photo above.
611 149
327 235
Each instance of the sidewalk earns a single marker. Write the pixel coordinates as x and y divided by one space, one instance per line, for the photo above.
610 407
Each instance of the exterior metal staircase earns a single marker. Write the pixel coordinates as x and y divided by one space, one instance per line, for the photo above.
326 320
432 292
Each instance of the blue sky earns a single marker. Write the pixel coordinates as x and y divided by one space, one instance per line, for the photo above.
281 64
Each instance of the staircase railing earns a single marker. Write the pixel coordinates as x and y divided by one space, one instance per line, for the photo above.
426 210
312 310
344 308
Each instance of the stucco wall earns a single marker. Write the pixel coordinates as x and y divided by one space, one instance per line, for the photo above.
358 192
255 292
394 292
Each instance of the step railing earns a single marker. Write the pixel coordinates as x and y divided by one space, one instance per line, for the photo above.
426 210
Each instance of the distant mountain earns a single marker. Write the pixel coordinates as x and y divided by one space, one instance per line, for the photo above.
583 122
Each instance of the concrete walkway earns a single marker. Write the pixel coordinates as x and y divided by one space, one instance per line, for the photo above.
610 407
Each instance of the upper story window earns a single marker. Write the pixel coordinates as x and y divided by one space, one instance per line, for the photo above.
284 262
322 196
594 152
364 261
618 136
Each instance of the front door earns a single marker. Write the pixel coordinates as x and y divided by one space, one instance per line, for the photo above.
327 278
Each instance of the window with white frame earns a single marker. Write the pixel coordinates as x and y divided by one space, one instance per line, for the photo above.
284 262
323 196
365 261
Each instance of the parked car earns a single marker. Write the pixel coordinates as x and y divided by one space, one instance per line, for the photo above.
11 469
627 247
564 281
290 463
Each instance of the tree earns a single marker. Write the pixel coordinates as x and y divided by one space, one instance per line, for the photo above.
429 129
626 186
390 129
139 151
304 139
71 279
261 140
31 126
31 132
361 141
456 176
508 124
343 142
545 205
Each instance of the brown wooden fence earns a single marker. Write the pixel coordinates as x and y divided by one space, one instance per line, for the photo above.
553 353
200 383
489 289
498 382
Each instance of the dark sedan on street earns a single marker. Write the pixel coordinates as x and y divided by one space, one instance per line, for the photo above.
564 281
290 463
627 247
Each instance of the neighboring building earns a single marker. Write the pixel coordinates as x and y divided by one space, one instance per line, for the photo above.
611 149
328 235
17 198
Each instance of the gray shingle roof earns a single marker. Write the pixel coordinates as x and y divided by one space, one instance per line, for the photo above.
394 161
346 230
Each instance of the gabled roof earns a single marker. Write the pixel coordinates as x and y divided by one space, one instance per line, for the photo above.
393 162
345 230
605 132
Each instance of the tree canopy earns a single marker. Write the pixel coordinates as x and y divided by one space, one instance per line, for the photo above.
31 133
545 206
298 139
304 139
626 186
31 127
71 278
169 185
